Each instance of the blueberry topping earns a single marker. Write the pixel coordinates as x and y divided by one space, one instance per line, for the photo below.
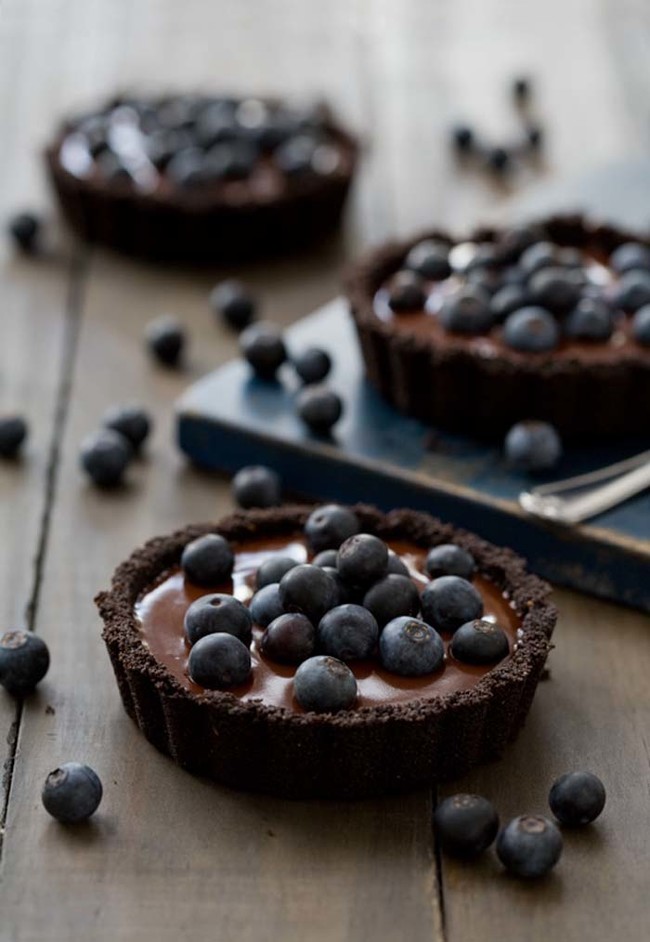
506 300
187 168
312 365
130 421
24 661
324 684
295 156
266 606
633 290
533 446
24 229
462 138
272 570
531 329
208 560
537 256
218 613
348 632
449 602
466 825
13 432
447 559
577 798
410 647
392 596
591 319
262 345
630 256
257 486
328 526
529 846
105 455
165 338
326 558
230 160
72 793
640 329
467 311
480 642
319 407
289 639
362 559
310 590
407 292
512 242
556 289
233 303
429 259
219 660
112 170
396 565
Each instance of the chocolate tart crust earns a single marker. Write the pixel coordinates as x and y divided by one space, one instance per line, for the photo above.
484 396
352 754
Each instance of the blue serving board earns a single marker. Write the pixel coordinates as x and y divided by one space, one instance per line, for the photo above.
230 419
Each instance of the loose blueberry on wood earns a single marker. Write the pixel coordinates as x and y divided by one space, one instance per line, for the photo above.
310 590
449 602
466 825
24 661
105 455
272 569
532 330
263 347
348 632
410 647
392 596
328 526
165 339
319 407
406 292
24 229
362 559
591 319
72 793
217 612
130 421
447 559
529 846
13 432
480 642
430 260
266 605
312 365
577 798
208 560
533 446
289 639
218 661
323 684
641 325
467 311
257 486
233 304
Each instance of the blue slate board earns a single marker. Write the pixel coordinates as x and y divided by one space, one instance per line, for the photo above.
230 419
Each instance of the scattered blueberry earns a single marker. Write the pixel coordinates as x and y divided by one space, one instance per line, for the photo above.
392 596
257 486
449 602
214 613
577 798
534 136
262 345
521 90
328 526
130 421
537 256
233 303
272 570
531 329
407 292
348 632
165 338
105 456
219 660
266 606
310 590
410 647
630 256
326 558
447 559
467 311
289 639
208 560
480 642
633 290
506 300
640 327
24 661
533 446
319 407
591 319
529 846
556 289
462 138
324 684
429 259
498 159
396 565
362 559
466 825
72 793
13 432
24 229
312 365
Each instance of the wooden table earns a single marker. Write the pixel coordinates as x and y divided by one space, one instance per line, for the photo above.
170 855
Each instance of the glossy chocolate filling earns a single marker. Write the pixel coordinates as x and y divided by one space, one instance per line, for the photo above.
161 611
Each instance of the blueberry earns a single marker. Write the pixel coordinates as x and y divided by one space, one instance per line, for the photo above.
633 290
640 329
577 798
112 169
591 319
512 242
72 793
233 303
629 256
537 256
319 407
556 289
466 825
13 432
570 257
312 365
165 338
257 486
407 292
230 160
447 559
396 565
262 345
130 421
348 632
105 456
24 229
533 446
187 168
506 300
529 846
290 639
521 90
265 606
480 642
324 684
410 647
208 560
218 613
346 592
531 329
429 259
362 559
467 311
392 596
449 602
326 558
328 526
24 661
534 136
498 159
462 138
272 570
219 660
294 157
310 590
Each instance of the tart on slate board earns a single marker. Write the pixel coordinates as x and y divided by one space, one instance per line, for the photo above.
428 668
548 321
199 178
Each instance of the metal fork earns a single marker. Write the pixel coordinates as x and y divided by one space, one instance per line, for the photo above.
622 480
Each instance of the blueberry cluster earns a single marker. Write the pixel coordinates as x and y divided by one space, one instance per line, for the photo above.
199 141
525 291
106 453
530 845
355 600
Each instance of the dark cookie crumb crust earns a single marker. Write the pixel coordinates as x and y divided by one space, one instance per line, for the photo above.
368 751
484 397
